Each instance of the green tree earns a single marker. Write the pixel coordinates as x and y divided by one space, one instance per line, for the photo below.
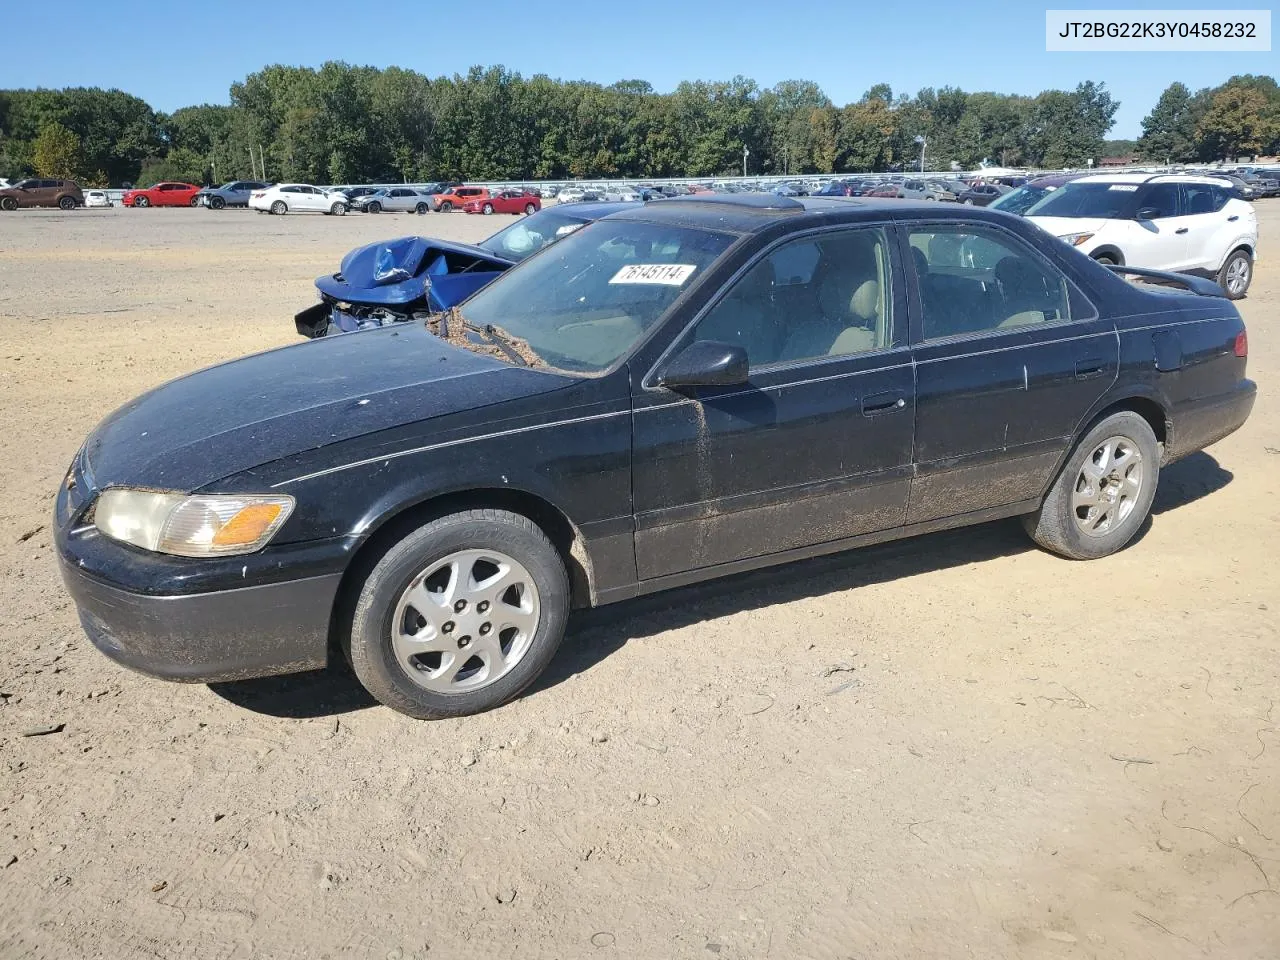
1169 130
56 153
1240 120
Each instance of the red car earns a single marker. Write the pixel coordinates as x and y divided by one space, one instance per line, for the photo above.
162 195
506 201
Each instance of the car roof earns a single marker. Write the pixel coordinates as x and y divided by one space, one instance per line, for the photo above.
745 213
1055 179
1147 178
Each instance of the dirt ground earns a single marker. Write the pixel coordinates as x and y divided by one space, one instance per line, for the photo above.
957 746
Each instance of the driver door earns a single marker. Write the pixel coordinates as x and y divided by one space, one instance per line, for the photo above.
816 445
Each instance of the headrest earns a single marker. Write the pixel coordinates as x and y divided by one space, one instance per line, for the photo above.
865 302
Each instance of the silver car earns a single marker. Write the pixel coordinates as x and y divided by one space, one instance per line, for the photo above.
394 200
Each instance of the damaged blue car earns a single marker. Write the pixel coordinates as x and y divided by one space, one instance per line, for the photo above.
415 277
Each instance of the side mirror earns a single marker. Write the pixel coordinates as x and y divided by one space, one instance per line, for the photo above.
706 363
1148 213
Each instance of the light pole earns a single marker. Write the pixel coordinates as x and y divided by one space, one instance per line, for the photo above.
920 140
745 154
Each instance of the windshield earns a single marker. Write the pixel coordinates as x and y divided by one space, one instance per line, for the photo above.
1105 201
586 300
528 236
1020 200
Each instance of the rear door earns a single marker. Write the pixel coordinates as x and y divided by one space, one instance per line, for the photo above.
1209 229
1009 358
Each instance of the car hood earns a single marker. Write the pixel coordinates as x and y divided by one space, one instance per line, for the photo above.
1062 226
390 262
239 415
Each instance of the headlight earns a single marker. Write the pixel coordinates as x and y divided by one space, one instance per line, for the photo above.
200 525
1075 239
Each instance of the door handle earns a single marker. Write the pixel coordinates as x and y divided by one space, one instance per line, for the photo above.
887 402
1181 230
1090 368
1233 218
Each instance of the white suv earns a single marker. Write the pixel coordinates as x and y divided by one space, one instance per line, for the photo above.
1184 224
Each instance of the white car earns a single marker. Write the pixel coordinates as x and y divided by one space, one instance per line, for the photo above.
570 195
1184 224
97 198
298 198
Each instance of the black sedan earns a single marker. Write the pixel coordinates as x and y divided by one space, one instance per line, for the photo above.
679 391
981 194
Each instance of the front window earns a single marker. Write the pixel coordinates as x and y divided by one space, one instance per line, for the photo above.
1105 201
589 298
526 237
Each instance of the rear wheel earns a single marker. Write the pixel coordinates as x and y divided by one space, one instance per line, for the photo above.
1107 260
279 208
487 209
420 209
338 209
67 203
141 202
460 615
968 203
1104 492
195 202
8 203
1236 274
530 209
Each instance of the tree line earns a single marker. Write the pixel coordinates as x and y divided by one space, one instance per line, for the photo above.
342 124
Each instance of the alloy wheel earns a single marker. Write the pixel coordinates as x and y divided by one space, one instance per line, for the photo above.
1108 486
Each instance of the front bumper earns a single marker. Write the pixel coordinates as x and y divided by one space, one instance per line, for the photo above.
224 635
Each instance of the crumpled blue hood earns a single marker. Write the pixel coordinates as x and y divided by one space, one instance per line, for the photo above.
396 272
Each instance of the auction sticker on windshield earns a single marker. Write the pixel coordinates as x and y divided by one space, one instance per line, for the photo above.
667 274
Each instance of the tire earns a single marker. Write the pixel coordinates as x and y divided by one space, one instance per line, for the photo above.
385 607
194 202
338 209
487 209
1059 524
1236 274
279 208
373 207
446 207
8 203
421 209
1107 260
66 203
141 202
968 203
530 209
216 203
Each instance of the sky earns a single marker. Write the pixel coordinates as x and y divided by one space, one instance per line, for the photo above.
172 58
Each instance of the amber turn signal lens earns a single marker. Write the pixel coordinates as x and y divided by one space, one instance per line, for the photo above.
248 525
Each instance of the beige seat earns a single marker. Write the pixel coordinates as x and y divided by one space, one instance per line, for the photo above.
847 325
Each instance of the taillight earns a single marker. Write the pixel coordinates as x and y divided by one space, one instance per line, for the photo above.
1242 344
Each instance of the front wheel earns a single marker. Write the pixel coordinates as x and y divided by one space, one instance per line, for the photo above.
141 202
195 201
460 615
338 209
67 203
446 207
968 203
487 209
217 203
1236 274
1106 259
420 209
279 208
1104 492
373 207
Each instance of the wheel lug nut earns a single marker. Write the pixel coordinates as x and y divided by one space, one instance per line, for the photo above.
463 642
482 606
460 606
447 628
485 628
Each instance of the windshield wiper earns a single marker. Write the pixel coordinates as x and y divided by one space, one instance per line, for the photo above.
452 326
513 347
